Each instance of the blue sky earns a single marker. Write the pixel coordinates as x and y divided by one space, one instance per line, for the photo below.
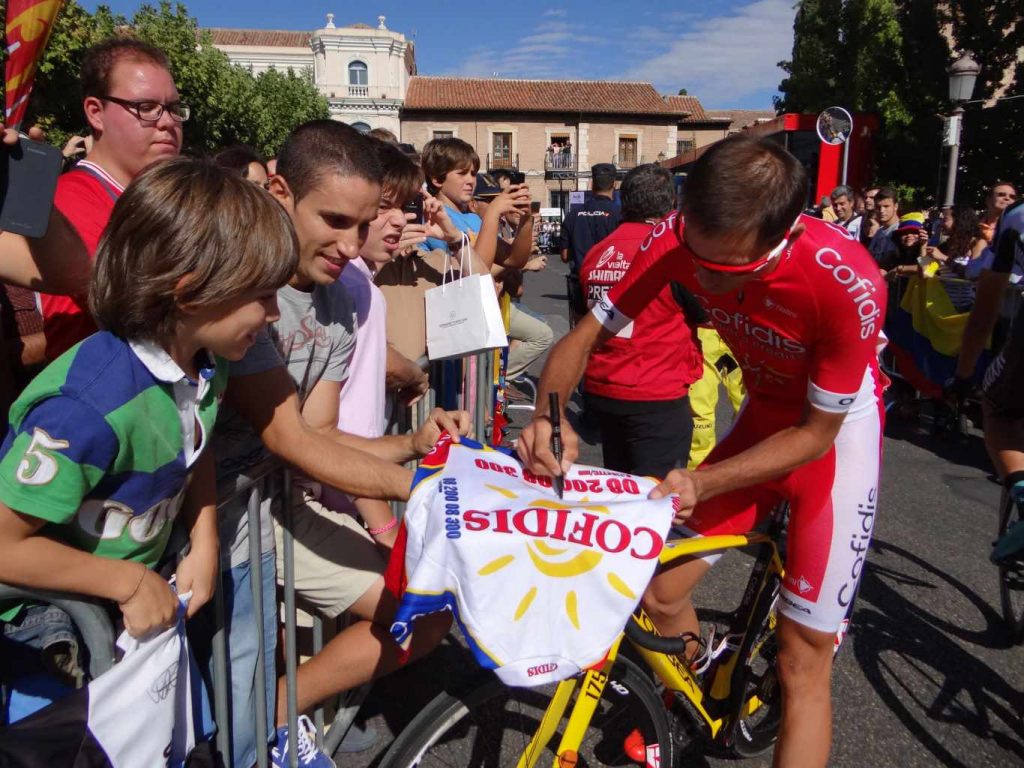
725 52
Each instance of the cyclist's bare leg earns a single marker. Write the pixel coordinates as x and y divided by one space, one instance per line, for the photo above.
1004 440
363 651
668 600
805 673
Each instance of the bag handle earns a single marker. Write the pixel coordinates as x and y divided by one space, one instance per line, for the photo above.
464 261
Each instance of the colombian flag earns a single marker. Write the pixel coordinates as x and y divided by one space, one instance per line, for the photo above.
29 23
924 333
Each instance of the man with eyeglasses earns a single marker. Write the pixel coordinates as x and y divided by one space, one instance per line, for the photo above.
136 116
800 304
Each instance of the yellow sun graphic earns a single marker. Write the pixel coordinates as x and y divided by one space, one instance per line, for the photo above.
556 562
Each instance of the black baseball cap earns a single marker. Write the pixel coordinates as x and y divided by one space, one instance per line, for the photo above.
604 171
486 187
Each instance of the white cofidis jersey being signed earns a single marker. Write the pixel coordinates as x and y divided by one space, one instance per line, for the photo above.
540 586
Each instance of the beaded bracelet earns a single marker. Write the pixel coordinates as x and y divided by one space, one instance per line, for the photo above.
384 528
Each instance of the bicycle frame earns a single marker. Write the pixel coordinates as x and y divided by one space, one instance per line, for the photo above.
713 701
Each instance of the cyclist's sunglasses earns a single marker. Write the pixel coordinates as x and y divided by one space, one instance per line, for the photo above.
742 269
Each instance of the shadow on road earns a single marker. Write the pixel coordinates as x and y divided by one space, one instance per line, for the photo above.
961 450
400 697
923 676
555 296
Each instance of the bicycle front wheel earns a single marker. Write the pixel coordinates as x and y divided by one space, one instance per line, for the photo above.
1011 575
492 725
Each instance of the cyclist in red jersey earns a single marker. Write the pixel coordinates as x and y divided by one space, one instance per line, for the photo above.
801 305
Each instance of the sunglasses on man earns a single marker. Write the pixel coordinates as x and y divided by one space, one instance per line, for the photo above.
749 268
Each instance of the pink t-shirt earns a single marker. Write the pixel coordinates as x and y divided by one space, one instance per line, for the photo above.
362 402
361 408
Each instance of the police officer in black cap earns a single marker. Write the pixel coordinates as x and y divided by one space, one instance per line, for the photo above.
585 226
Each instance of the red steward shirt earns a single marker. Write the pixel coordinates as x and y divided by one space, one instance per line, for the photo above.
86 196
808 331
655 357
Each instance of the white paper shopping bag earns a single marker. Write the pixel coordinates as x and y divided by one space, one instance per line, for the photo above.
463 316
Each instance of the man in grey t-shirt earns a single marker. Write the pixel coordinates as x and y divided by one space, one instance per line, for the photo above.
284 395
313 339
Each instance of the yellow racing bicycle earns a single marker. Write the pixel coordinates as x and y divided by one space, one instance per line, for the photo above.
643 706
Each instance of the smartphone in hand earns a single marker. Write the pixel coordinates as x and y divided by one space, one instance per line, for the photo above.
28 179
415 207
517 177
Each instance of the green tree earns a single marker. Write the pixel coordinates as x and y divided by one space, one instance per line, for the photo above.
813 72
993 30
890 57
229 105
282 100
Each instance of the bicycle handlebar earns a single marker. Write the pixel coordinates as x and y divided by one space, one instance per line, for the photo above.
653 642
680 548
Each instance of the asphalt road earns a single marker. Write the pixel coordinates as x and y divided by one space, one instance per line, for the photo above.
925 677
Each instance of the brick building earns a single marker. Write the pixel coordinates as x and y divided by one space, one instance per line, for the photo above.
551 130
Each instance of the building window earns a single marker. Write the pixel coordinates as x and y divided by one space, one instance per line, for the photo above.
361 127
501 155
560 199
559 154
357 73
685 145
627 152
444 134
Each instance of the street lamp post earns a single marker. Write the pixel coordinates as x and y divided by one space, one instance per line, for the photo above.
962 75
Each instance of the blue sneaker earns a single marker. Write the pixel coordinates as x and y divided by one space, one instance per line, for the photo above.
305 747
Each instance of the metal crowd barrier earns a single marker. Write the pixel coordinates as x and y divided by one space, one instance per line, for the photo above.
465 383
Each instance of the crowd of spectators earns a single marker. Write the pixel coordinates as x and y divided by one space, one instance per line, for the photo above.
252 309
559 155
948 243
247 309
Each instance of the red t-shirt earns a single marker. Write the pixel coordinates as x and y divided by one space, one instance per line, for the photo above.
87 203
656 357
807 331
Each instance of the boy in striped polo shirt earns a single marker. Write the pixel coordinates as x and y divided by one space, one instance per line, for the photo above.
108 444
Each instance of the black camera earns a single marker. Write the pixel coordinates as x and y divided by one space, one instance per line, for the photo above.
517 177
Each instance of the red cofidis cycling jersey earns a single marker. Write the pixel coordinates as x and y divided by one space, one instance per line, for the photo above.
807 333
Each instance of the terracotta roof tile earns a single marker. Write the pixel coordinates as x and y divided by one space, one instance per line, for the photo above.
452 94
742 118
686 105
275 38
692 110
